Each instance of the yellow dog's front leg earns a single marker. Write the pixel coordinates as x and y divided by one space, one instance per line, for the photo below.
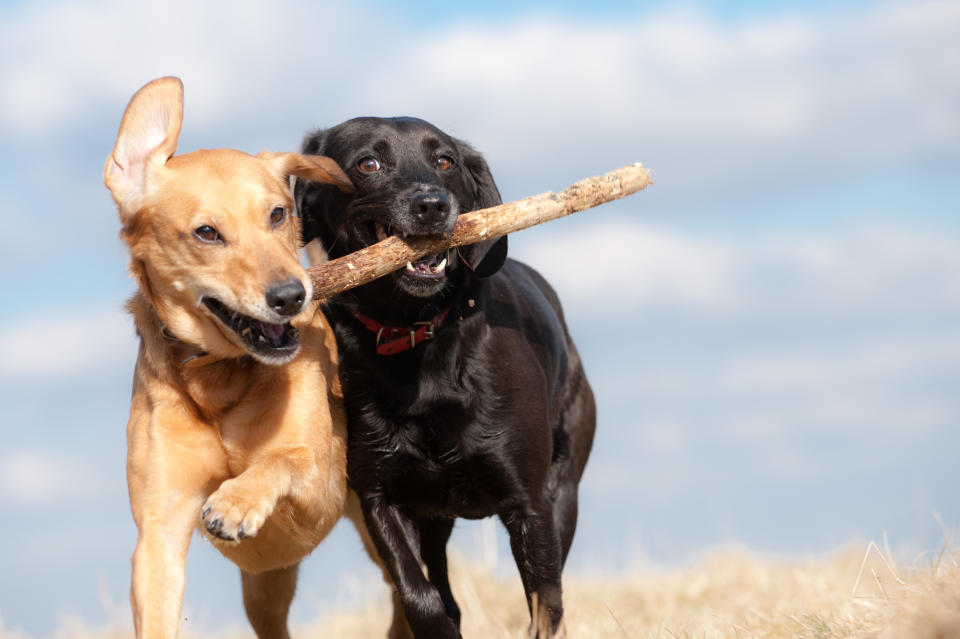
173 461
156 589
241 505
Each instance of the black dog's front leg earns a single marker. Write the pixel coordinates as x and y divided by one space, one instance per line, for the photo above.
434 534
393 534
536 549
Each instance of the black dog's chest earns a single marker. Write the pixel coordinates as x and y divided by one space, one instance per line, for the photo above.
441 462
428 429
435 486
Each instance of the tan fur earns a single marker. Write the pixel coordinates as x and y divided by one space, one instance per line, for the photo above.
254 444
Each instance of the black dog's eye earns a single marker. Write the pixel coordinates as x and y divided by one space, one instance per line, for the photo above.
444 163
277 216
207 234
368 165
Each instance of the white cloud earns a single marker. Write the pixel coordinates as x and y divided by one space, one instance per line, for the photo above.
35 477
807 93
762 337
810 92
862 269
78 57
67 344
639 266
886 361
876 386
805 391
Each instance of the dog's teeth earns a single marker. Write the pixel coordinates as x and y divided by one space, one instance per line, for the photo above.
410 267
261 338
245 331
442 265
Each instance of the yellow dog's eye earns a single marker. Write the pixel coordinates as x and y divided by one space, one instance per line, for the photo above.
208 234
277 216
368 165
444 163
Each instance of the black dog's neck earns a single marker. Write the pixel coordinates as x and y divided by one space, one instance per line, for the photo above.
382 301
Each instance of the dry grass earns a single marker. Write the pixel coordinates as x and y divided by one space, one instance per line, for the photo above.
729 595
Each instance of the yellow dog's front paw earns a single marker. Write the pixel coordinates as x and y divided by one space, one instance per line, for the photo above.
233 513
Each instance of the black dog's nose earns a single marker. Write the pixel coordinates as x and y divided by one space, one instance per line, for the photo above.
431 211
286 298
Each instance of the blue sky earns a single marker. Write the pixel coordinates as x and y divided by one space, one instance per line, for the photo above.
771 330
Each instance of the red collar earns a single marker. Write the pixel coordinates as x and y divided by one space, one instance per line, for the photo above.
397 339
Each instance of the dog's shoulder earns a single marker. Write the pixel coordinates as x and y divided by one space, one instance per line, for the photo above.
318 346
520 297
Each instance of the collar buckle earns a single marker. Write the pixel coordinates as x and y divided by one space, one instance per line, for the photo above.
396 339
430 328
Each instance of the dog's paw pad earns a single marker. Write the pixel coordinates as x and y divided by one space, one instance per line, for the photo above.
231 515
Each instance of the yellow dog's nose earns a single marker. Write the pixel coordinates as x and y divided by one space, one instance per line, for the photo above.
287 297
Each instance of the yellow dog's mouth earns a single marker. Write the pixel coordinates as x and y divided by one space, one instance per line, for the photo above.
272 343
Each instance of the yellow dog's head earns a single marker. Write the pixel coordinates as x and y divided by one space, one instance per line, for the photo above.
213 235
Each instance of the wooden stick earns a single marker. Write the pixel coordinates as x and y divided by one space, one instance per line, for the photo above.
394 252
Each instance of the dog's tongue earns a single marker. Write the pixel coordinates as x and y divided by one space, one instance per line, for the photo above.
273 332
427 264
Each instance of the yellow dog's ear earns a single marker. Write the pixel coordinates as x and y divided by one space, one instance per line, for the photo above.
148 137
310 167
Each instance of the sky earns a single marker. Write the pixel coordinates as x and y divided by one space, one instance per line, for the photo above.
772 330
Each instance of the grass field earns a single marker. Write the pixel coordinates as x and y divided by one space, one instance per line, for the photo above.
860 593
732 594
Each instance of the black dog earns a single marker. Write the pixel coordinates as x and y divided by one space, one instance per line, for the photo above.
465 395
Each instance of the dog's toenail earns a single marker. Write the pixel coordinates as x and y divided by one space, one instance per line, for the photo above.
224 536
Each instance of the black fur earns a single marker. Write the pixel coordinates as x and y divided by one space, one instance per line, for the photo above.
493 416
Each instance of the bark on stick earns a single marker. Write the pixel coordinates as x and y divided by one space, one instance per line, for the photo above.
393 253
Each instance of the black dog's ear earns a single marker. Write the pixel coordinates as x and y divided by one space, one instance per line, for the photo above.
483 258
310 197
313 142
494 254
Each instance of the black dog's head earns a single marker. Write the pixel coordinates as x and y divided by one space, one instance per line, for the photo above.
411 179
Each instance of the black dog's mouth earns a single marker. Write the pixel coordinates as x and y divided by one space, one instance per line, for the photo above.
429 267
270 341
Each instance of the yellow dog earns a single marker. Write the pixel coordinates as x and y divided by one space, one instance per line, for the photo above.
236 422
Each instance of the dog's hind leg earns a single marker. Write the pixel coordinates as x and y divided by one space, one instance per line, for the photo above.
573 440
267 598
536 549
565 516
